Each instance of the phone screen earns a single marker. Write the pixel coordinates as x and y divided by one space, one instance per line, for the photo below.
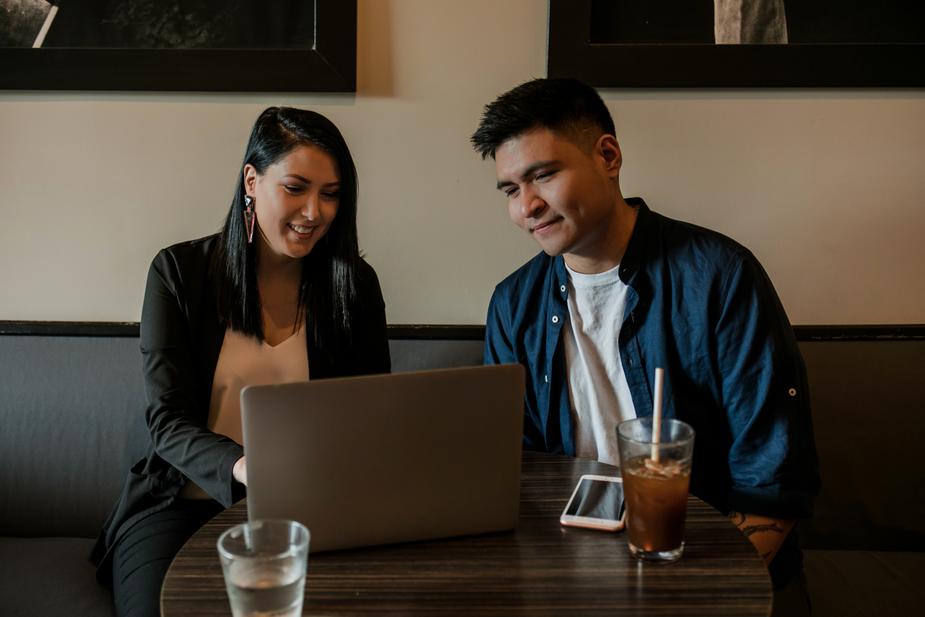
597 499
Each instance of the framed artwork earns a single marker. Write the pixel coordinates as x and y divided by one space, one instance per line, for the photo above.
738 43
179 45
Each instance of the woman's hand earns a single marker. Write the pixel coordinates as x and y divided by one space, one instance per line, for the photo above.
239 471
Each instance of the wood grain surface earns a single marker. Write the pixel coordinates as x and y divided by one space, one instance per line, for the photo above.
541 568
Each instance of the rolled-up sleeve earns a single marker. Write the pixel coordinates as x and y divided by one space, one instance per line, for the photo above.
772 459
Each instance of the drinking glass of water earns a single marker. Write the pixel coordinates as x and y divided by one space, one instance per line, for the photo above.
264 563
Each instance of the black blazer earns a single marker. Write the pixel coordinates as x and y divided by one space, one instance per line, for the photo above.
181 337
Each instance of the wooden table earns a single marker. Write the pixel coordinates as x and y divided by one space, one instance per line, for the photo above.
541 568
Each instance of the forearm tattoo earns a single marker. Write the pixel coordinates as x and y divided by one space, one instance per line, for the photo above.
741 521
748 529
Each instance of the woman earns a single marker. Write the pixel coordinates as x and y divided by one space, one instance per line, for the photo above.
279 294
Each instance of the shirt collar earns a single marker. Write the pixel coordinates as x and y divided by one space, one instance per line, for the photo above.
629 265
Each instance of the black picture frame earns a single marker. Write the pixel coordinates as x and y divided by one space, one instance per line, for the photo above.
572 54
328 65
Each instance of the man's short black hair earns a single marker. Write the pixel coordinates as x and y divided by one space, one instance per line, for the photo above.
561 105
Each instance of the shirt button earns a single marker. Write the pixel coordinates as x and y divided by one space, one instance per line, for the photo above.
792 391
555 319
562 288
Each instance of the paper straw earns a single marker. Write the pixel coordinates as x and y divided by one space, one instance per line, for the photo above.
657 412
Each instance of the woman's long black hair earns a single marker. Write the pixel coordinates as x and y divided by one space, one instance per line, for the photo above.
329 272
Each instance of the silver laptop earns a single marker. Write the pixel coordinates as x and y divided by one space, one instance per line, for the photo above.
387 458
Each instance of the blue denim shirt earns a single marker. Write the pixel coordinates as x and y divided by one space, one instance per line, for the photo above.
701 306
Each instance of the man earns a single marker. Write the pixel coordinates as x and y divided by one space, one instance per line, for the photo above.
620 290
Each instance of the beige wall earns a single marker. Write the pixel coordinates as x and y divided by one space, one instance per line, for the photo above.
826 187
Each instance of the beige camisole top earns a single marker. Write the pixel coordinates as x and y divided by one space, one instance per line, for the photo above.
245 361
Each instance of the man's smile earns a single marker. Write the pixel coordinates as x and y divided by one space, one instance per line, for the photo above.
545 226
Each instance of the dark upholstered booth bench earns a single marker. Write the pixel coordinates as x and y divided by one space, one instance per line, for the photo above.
865 547
71 423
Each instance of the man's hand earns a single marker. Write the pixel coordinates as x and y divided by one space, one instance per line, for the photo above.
239 471
767 534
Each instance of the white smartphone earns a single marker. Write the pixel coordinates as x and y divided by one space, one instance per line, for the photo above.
596 503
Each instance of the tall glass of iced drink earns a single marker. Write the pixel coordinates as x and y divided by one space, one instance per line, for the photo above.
655 482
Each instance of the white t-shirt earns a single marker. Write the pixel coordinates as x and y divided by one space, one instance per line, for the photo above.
600 397
245 361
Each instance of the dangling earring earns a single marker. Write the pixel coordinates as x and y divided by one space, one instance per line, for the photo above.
249 217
